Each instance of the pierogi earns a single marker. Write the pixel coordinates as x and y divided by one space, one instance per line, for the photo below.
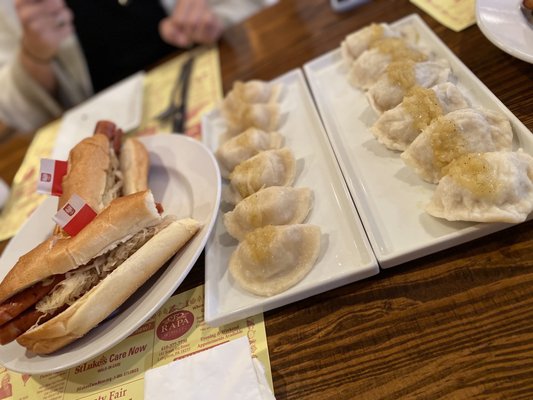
267 168
357 42
251 92
275 205
398 127
463 131
272 259
401 76
366 70
264 116
486 187
245 145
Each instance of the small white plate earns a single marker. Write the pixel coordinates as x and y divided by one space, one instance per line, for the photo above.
120 103
345 255
502 22
389 197
185 179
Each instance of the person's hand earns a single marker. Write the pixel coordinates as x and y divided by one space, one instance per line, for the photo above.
45 24
192 21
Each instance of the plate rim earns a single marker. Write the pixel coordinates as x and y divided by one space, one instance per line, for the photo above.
496 40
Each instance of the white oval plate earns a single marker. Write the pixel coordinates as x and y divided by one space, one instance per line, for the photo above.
502 22
185 179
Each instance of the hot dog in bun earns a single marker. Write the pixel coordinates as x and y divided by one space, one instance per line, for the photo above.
68 285
104 166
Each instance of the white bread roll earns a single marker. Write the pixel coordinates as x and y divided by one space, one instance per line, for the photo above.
97 175
88 163
134 164
112 226
92 308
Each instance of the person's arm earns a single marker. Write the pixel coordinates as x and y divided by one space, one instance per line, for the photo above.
190 22
45 25
203 21
25 104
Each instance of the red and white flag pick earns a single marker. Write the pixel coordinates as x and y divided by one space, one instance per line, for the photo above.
74 215
51 176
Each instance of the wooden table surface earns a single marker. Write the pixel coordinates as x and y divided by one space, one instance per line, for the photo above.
457 324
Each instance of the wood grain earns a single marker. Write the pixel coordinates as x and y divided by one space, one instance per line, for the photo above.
457 324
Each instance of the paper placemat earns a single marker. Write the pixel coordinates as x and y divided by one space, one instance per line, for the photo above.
175 331
453 14
205 92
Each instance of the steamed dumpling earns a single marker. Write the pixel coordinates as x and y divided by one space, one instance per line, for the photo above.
357 42
261 116
267 168
245 145
251 92
400 77
486 187
460 132
272 259
366 70
275 205
398 127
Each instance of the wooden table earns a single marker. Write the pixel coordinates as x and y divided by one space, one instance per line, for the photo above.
457 324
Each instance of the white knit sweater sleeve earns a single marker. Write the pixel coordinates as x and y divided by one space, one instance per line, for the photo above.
24 104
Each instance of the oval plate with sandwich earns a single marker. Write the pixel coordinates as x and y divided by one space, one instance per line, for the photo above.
185 179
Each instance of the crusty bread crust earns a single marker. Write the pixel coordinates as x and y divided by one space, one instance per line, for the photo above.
88 163
134 164
92 308
115 224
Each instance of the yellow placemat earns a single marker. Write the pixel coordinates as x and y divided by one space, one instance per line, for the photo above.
175 331
454 14
204 92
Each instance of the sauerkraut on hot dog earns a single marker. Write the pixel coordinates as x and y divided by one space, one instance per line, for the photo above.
105 166
66 286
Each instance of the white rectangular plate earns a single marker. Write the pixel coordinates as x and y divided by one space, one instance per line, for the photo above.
389 197
345 255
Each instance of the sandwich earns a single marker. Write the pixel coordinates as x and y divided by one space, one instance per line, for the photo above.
104 166
66 286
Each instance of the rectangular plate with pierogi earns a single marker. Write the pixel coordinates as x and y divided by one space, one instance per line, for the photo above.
340 253
397 206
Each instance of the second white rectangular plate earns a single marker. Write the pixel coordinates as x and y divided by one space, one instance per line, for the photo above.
389 197
345 256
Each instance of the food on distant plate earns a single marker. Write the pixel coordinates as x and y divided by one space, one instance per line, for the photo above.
275 205
251 92
357 42
460 132
245 145
98 270
528 4
398 127
103 167
401 77
485 187
272 259
372 63
268 168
